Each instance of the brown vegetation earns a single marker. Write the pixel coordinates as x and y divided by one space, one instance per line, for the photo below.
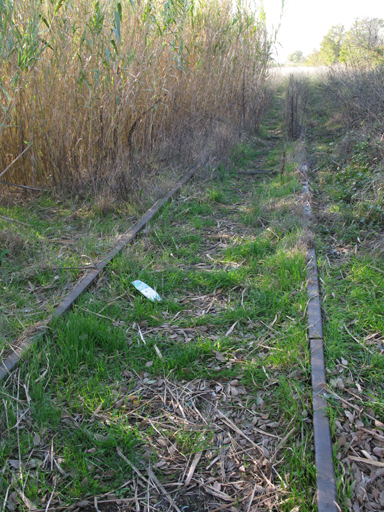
106 92
11 243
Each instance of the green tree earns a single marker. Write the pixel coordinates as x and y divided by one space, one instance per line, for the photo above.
364 41
331 45
296 57
313 59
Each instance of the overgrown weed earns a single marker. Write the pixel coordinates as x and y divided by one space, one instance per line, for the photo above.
232 314
347 179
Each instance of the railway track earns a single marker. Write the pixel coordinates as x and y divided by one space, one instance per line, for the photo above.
325 472
10 362
250 432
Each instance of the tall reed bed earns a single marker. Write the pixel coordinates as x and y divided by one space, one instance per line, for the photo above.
104 90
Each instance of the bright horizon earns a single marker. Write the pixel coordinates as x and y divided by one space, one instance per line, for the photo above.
304 23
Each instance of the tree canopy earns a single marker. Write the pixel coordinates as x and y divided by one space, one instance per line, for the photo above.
332 45
296 57
363 42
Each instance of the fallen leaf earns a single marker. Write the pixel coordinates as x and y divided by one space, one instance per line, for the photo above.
231 328
119 404
27 502
99 437
14 463
34 463
218 494
82 503
12 502
350 416
109 474
260 403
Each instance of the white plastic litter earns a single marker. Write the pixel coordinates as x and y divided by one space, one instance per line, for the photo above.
146 290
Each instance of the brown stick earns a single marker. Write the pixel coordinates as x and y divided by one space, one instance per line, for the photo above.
256 172
281 444
15 160
283 163
13 220
367 461
163 490
225 506
65 268
236 429
21 186
251 498
193 467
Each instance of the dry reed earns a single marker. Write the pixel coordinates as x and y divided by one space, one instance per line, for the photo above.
105 91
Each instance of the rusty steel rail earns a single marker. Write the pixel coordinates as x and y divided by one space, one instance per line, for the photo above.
325 472
326 486
8 365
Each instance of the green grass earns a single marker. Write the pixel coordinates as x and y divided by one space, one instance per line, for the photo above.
353 307
350 219
216 266
39 262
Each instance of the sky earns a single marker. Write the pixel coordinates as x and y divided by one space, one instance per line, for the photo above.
305 22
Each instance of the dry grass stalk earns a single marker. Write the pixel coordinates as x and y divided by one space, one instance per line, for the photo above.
103 93
11 242
360 449
179 412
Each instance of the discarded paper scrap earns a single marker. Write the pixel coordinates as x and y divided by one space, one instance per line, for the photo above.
146 290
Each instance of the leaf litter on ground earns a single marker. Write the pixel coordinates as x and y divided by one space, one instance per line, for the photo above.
197 402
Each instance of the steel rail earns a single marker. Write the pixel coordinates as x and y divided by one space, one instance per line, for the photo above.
9 364
326 486
325 472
